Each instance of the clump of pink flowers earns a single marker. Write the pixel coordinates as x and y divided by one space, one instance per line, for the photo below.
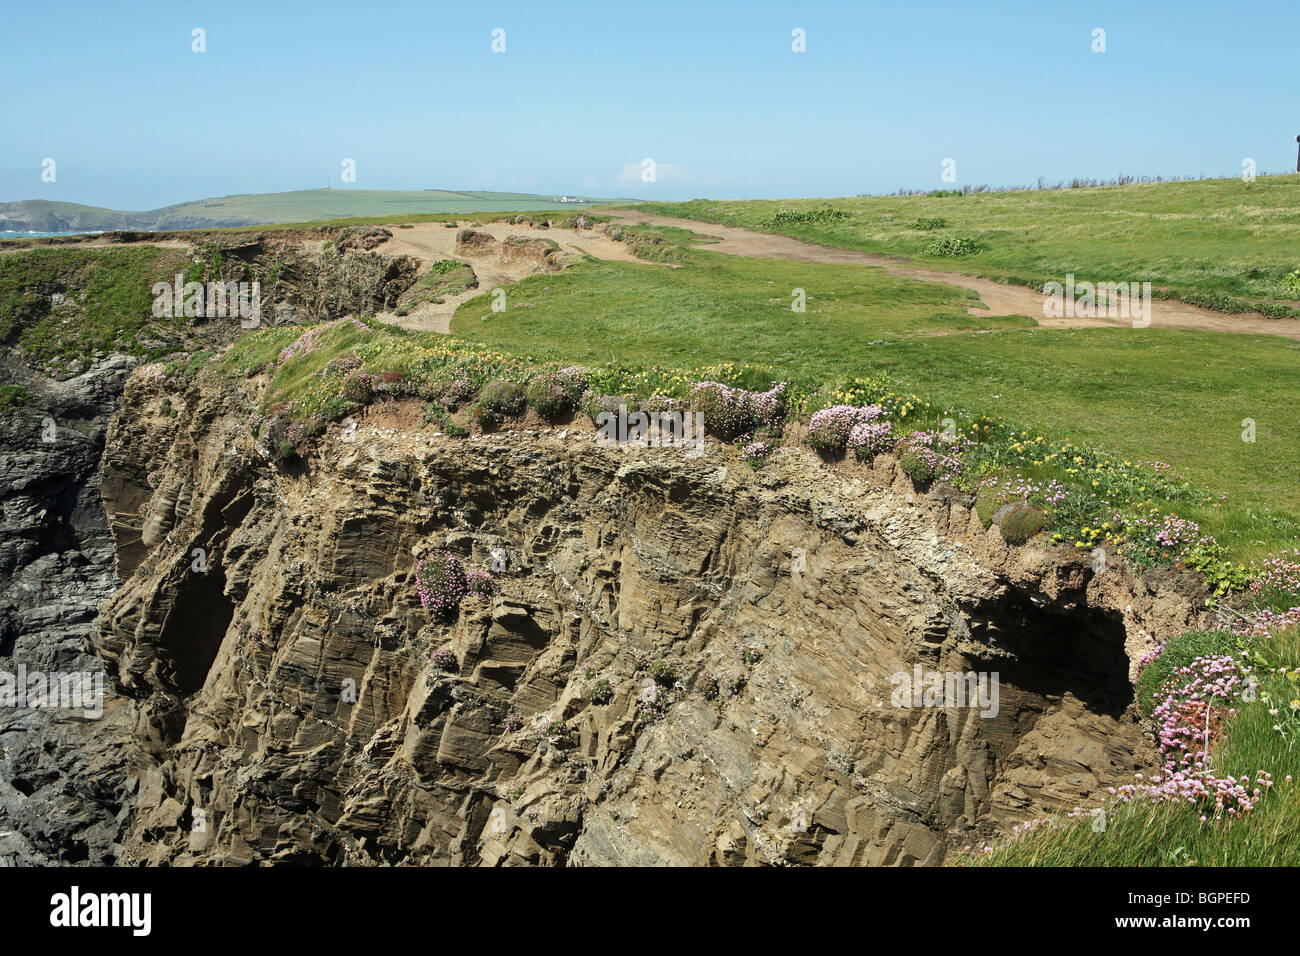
1267 623
553 393
481 584
869 439
1164 536
829 430
440 582
756 452
731 413
653 703
444 659
1197 699
339 366
1279 573
1021 488
927 456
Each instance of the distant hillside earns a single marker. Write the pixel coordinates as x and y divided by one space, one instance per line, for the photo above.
40 215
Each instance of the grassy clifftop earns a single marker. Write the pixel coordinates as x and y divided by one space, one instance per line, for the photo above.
1221 243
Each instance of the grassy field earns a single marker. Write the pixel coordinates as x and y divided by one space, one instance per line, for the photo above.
1221 243
1174 396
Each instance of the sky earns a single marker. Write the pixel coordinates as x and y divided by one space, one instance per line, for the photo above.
714 93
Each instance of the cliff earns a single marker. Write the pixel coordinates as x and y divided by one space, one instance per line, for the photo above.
686 662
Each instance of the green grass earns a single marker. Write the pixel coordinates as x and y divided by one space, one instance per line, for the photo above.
1174 396
111 300
716 308
1223 243
445 277
1142 833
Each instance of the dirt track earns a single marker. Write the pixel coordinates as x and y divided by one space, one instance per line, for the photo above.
998 299
432 241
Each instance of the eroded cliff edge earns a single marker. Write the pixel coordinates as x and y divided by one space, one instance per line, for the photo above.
248 747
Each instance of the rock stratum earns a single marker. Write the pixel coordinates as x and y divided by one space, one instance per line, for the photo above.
238 678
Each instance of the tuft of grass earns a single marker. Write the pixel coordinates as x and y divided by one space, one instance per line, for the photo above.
445 277
64 304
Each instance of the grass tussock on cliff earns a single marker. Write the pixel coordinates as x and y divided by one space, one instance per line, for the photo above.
60 305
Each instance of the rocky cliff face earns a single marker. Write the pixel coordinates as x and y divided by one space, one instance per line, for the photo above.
56 567
687 662
63 776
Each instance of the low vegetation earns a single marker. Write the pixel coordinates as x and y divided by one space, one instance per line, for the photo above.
61 305
1222 243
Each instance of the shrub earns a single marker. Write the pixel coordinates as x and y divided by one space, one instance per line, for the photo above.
952 246
486 417
434 412
1021 523
787 217
454 391
286 437
928 222
663 672
503 398
554 393
708 686
440 582
600 691
358 388
1291 284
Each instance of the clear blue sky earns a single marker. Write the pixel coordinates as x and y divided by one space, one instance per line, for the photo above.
712 92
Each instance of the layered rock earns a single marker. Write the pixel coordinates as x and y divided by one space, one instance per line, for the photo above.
56 567
277 659
64 780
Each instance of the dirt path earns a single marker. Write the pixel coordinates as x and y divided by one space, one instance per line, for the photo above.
997 299
432 241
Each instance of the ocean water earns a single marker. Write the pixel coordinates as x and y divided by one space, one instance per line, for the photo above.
10 234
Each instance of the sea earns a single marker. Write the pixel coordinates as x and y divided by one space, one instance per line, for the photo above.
10 234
